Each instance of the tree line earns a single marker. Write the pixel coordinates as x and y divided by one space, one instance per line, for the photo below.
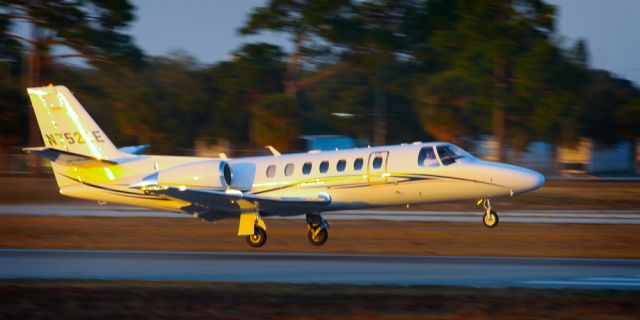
401 70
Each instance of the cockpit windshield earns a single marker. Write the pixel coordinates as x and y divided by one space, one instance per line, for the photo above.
450 154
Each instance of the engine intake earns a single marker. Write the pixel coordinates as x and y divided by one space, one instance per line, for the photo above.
204 174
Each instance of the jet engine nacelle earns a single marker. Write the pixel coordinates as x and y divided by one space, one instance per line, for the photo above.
204 174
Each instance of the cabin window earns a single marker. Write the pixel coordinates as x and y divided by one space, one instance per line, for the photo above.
341 165
288 169
271 171
357 165
377 162
324 166
306 168
427 157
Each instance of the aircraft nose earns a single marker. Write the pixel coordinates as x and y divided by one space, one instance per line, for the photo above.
527 180
517 179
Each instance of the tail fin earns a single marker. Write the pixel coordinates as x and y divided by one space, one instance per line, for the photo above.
65 125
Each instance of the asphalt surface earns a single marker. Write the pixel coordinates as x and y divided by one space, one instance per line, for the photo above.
522 216
320 268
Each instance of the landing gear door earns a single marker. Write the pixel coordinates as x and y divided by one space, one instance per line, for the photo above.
377 167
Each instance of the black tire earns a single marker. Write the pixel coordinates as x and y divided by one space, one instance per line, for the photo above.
320 239
258 238
491 219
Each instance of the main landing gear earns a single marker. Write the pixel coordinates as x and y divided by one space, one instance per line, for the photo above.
490 218
253 228
317 229
258 238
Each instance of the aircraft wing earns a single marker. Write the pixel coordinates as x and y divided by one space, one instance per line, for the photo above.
234 201
291 205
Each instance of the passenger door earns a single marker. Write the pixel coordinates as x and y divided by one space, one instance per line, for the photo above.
377 167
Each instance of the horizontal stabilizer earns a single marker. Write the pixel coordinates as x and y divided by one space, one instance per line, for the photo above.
68 158
134 149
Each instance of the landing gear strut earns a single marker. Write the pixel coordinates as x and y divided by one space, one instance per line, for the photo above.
252 227
317 229
490 218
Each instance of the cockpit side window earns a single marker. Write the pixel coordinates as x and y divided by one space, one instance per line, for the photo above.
427 157
450 153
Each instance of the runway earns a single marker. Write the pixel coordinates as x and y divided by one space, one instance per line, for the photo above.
521 216
320 268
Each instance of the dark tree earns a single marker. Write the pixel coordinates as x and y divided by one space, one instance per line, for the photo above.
89 30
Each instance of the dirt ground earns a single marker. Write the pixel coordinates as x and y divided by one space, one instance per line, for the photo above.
188 300
364 237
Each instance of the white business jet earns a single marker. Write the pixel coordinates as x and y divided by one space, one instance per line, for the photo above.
87 165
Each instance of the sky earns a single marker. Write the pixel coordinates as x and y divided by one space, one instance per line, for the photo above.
207 29
610 28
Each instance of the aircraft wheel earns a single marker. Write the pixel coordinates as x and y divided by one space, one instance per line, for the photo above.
258 238
318 236
490 219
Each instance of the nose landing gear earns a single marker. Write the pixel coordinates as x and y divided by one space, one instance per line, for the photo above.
490 218
317 229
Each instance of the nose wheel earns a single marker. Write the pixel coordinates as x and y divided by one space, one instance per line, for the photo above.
490 218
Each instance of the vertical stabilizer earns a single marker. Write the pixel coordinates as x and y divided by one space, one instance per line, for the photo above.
66 125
